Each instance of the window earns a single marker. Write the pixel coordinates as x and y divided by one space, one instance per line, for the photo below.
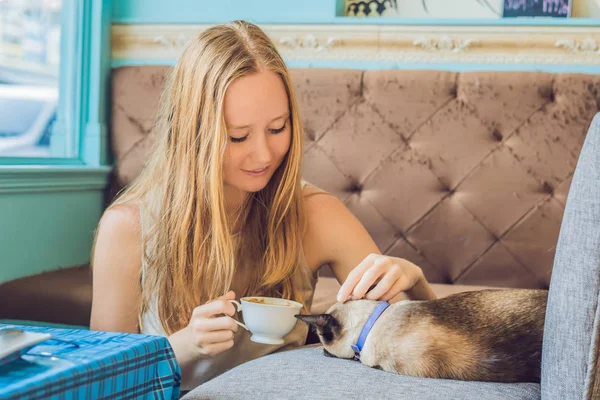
30 32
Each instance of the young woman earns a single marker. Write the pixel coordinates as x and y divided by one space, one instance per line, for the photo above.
220 212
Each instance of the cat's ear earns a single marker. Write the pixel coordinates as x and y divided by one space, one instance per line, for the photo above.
319 320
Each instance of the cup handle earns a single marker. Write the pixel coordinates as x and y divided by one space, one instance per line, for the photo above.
239 308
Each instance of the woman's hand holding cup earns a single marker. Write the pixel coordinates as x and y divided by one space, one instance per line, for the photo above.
210 331
211 327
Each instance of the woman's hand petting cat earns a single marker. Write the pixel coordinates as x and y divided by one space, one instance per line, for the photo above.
386 277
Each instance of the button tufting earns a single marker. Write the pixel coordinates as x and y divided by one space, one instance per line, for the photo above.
497 134
355 187
447 189
437 197
547 92
547 187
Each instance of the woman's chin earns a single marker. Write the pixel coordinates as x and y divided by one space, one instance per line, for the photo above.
254 185
255 188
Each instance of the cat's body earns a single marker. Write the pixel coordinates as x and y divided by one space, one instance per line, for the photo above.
488 335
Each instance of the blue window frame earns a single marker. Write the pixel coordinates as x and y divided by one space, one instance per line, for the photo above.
79 134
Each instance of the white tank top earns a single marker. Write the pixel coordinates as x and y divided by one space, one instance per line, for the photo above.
243 349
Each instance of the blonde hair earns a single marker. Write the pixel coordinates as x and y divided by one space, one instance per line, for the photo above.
194 257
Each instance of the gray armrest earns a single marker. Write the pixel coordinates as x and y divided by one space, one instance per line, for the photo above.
570 351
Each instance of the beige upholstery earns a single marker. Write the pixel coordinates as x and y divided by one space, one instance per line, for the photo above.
466 174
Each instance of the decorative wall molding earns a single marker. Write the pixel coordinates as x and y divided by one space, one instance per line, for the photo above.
171 43
309 41
384 43
445 43
585 46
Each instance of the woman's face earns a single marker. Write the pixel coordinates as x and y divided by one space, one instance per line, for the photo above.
257 118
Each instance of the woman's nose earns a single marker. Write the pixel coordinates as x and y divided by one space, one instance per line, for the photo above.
262 151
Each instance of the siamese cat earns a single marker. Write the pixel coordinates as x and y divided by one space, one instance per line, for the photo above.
490 335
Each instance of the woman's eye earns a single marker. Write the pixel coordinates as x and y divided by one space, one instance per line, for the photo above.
276 131
237 140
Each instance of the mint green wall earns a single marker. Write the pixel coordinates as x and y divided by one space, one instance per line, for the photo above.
47 217
46 231
205 11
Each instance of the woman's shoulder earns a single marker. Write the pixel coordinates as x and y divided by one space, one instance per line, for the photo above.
317 200
121 218
119 231
309 189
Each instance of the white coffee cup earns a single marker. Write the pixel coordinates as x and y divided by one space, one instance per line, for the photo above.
269 319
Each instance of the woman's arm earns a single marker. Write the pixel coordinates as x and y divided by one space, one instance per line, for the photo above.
117 260
336 237
116 295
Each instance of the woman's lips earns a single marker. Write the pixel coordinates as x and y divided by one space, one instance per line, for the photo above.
257 172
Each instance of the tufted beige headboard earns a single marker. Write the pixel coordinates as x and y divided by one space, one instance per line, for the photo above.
465 174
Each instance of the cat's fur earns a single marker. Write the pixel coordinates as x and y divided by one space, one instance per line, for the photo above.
488 335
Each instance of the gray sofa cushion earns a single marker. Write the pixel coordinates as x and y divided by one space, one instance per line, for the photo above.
570 350
308 374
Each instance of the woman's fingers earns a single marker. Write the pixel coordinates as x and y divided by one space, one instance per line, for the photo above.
383 286
354 277
380 277
215 324
214 307
398 287
212 350
369 278
213 337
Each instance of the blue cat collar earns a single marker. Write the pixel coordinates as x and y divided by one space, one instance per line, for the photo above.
367 328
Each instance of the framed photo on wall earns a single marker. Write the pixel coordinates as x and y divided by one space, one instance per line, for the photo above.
537 8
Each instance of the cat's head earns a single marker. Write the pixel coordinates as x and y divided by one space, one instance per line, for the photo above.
340 326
